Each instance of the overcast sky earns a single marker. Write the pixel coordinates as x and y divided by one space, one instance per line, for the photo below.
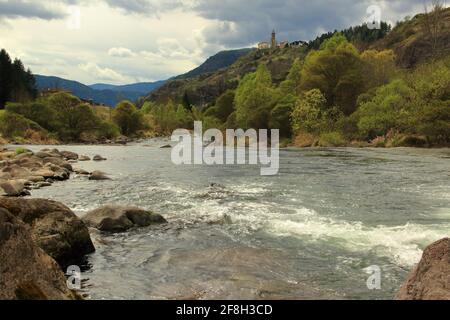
125 41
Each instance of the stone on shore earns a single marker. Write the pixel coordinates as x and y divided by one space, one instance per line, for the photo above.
121 218
430 279
26 271
68 155
55 228
13 188
84 158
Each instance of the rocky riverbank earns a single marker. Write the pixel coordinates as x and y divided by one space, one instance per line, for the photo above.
40 238
22 170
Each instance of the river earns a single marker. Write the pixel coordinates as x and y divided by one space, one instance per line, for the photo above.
307 233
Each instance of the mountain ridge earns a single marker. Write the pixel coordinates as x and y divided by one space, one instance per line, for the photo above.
109 97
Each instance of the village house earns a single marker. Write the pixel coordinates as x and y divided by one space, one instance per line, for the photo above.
273 44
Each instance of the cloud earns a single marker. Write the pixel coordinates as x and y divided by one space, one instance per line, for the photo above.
150 7
240 23
121 52
30 9
104 74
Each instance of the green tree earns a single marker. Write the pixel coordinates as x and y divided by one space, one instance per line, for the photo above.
5 78
255 98
391 108
280 116
127 118
378 67
307 114
336 70
292 84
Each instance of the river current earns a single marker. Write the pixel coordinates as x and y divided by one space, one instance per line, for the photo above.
307 233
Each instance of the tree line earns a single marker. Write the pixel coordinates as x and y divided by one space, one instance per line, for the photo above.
16 83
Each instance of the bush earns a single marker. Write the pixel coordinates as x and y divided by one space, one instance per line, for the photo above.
332 139
107 130
39 112
127 118
13 125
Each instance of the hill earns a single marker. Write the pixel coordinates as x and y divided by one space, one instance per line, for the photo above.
413 41
141 87
219 61
419 39
204 89
105 94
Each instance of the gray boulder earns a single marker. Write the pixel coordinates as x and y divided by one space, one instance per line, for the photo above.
121 218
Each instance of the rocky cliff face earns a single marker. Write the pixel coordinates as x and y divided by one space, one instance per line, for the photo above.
430 280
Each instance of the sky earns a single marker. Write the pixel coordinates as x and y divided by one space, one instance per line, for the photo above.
128 41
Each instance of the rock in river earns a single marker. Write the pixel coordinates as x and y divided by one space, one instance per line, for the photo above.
119 219
430 280
98 175
54 227
98 158
26 271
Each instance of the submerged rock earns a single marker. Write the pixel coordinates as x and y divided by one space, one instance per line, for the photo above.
98 176
55 228
119 218
98 158
26 271
430 280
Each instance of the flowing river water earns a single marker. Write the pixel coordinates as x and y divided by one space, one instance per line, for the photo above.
307 233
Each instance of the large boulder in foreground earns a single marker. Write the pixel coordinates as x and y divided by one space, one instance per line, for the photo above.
54 227
26 271
119 218
430 280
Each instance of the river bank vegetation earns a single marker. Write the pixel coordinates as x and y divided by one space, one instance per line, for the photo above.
357 87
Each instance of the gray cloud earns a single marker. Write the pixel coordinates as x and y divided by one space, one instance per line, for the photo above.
36 9
148 7
240 23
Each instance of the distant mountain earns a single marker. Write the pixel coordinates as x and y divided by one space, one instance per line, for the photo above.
109 95
219 61
142 87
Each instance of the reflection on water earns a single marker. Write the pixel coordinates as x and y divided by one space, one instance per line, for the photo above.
307 233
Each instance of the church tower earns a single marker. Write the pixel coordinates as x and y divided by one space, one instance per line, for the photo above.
274 40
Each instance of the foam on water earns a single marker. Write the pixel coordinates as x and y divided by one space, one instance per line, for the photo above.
401 244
